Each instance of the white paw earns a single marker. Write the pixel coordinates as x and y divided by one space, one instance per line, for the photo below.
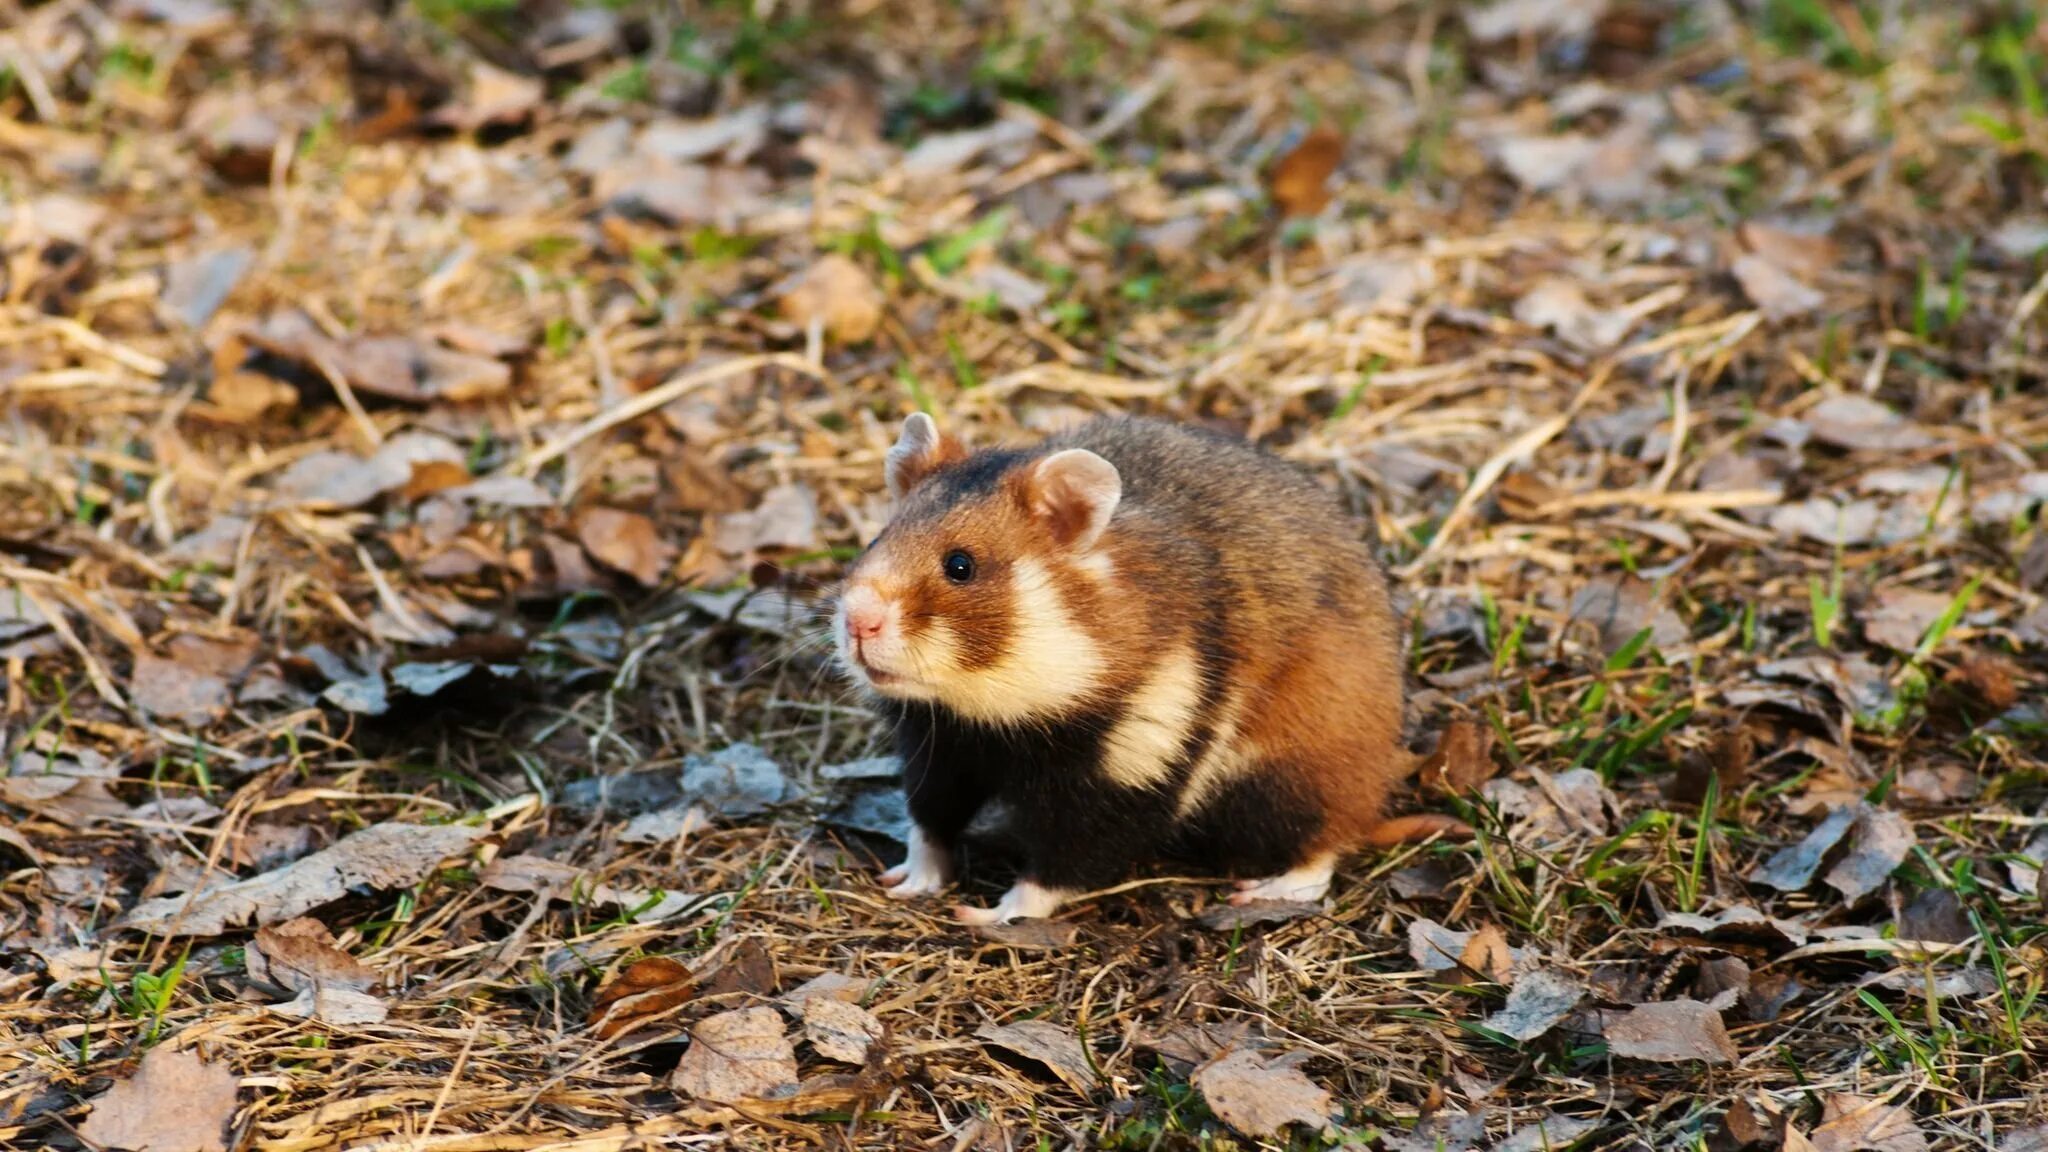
1306 884
925 872
1024 901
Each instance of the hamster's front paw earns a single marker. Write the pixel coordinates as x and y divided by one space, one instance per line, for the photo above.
924 872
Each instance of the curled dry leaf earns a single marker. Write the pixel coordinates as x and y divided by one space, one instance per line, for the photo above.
1259 1097
839 1030
838 295
737 1056
1539 999
1436 948
648 987
175 1102
1671 1031
625 542
1299 182
300 954
1048 1044
1461 761
382 856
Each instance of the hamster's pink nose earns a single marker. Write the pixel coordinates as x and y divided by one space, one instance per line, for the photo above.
866 619
865 623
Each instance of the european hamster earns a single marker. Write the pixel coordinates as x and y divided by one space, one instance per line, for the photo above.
1148 642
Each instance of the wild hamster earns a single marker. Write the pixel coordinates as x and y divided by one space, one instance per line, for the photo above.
1148 642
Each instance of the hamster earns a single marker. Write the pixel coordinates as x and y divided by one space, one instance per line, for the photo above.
1148 642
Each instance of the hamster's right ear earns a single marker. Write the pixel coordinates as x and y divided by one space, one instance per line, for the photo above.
920 451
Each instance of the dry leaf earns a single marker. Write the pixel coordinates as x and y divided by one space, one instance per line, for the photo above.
1436 948
749 970
1791 869
1299 182
832 985
1858 423
1031 935
1461 761
648 987
839 1030
1560 306
1860 1124
1802 254
839 295
1514 19
786 518
625 542
382 856
175 1102
1487 956
1671 1031
1539 999
1777 292
300 954
1048 1044
341 1007
737 1056
1882 841
1231 917
1260 1097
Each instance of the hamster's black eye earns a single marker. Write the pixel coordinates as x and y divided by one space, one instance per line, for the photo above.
959 567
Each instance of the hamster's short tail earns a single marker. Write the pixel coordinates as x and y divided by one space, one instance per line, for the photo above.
1415 829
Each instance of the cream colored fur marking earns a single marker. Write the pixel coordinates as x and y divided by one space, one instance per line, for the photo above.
1051 663
1225 758
1140 750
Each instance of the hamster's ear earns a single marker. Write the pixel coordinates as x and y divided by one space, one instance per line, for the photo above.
920 451
1075 492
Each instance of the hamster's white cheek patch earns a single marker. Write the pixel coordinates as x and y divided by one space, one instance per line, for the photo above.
1048 666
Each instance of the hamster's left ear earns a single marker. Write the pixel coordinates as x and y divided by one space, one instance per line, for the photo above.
1075 492
920 451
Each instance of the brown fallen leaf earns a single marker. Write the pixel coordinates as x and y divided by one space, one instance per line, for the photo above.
786 518
1538 1000
300 954
1988 679
1724 764
1852 1123
1771 288
1436 948
1883 839
1671 1031
737 1056
430 477
1548 1134
646 988
1487 955
749 970
1031 935
839 1030
1048 1044
1806 255
1299 182
175 1102
625 542
1461 761
1897 617
833 985
1259 1097
382 856
837 294
496 98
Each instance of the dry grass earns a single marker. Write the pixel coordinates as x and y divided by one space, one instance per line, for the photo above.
1564 335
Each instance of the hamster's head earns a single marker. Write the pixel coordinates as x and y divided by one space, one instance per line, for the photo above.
971 596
